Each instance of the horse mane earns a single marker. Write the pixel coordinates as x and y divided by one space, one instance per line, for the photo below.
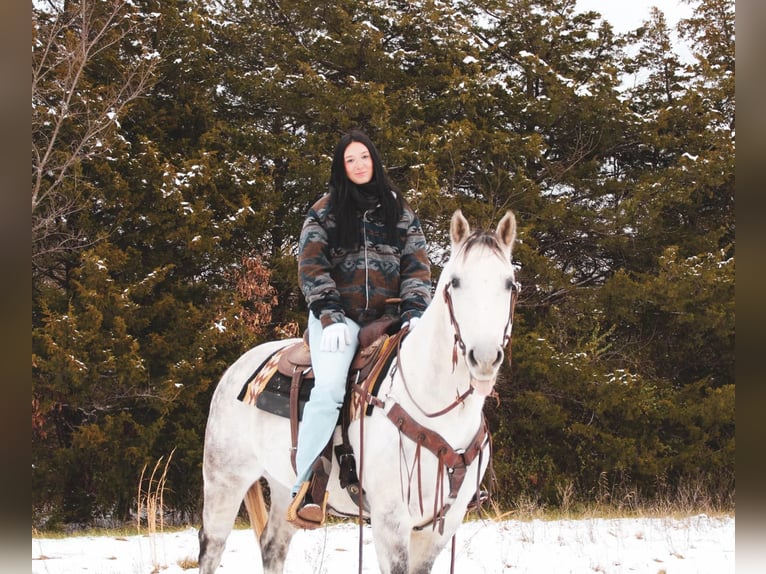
484 239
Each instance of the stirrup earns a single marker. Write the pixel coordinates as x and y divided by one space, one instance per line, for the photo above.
305 513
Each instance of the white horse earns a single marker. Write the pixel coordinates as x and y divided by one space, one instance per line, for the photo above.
417 498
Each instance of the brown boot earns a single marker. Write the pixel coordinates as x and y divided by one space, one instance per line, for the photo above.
303 512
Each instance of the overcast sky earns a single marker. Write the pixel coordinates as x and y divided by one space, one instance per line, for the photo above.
627 15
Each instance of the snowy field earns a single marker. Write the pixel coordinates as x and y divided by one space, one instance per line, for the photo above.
699 544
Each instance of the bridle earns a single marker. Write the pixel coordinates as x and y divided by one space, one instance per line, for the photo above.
515 289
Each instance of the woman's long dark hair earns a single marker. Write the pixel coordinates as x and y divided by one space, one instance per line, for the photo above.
344 208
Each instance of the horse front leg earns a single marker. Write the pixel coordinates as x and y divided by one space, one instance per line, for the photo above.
425 547
391 538
427 544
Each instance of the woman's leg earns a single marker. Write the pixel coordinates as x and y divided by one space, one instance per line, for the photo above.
320 414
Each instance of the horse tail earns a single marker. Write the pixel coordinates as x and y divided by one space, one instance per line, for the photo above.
256 508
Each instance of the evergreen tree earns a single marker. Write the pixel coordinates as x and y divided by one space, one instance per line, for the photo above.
647 221
187 219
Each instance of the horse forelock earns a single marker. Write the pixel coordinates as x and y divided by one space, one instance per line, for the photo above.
481 239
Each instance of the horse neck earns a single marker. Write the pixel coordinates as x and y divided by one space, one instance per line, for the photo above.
425 361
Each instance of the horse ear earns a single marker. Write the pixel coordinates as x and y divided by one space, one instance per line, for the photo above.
459 228
506 231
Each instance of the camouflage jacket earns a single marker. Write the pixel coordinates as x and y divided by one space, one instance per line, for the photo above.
340 283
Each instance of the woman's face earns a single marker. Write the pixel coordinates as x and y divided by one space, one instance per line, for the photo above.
358 163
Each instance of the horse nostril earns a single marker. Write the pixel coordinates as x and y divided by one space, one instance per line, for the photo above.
485 361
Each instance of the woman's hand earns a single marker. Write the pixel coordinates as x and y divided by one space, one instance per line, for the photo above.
335 337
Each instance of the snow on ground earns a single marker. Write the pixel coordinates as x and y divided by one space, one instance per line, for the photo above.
698 544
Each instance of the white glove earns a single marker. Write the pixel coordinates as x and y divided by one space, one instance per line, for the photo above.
411 323
335 337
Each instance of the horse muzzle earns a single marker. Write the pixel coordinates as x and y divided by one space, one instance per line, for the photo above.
483 365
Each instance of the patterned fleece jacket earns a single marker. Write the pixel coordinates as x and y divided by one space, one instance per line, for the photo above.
339 283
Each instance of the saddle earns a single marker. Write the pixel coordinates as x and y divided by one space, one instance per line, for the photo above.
282 385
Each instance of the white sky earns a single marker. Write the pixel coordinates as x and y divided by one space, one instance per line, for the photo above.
626 15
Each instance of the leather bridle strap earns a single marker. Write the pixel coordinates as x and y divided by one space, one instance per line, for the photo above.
458 337
515 288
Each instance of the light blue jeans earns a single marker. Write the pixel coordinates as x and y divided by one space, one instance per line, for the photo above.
320 414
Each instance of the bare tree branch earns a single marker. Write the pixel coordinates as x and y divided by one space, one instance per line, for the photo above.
74 119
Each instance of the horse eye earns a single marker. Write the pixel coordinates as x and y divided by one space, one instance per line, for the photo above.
455 282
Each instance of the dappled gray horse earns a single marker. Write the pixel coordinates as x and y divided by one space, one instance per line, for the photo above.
424 450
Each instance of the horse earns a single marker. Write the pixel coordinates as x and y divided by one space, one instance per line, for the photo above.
445 368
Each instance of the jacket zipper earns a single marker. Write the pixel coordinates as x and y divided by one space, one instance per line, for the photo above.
366 264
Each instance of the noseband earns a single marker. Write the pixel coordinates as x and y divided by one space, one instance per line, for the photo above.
515 289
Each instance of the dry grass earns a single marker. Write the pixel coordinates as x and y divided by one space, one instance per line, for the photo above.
151 503
188 563
618 500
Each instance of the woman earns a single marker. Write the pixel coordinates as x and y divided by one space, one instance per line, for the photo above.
361 245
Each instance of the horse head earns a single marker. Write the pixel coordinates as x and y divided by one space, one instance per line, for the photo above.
480 289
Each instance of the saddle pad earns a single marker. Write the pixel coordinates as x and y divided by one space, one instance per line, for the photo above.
269 390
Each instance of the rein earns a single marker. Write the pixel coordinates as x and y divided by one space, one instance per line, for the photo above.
459 343
459 400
